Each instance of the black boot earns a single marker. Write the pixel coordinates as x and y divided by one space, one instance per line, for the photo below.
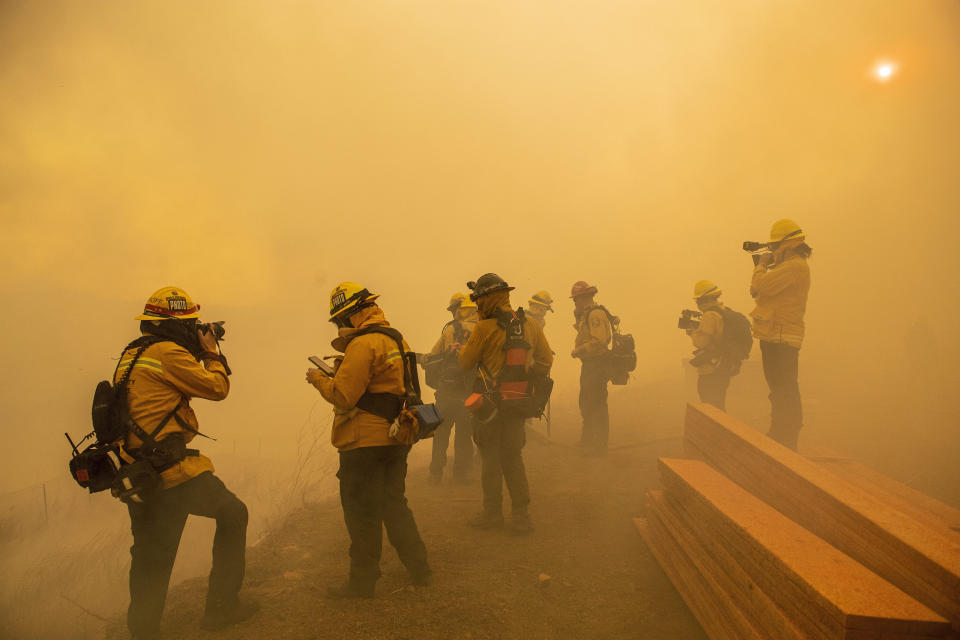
486 520
219 615
422 578
520 523
350 589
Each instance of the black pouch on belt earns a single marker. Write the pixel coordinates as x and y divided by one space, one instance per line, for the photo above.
428 418
165 453
136 482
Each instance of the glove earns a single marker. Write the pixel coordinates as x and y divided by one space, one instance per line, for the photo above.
314 376
405 428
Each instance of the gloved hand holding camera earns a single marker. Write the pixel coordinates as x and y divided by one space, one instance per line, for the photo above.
689 320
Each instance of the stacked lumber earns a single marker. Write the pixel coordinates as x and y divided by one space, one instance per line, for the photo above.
918 505
906 540
747 571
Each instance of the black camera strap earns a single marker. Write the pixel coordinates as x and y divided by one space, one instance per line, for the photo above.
149 438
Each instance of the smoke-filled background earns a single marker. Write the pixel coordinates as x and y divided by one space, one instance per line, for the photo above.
256 154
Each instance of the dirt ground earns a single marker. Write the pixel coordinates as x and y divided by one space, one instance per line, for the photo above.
603 582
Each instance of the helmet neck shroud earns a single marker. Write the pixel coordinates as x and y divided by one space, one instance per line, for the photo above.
182 331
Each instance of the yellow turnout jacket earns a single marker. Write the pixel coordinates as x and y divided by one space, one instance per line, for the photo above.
708 334
594 333
165 377
371 362
781 292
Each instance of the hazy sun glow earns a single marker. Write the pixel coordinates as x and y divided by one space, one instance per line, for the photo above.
884 71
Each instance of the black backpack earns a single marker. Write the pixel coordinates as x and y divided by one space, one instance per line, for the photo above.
443 370
623 355
99 466
737 339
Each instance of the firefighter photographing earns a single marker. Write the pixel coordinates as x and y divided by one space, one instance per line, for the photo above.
780 285
722 340
143 422
689 319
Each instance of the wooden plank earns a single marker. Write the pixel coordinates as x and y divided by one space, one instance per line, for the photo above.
713 559
816 585
715 613
923 562
917 505
692 452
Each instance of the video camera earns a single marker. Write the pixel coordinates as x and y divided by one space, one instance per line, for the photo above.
216 327
757 249
687 319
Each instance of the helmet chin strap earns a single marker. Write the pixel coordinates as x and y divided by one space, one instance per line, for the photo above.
344 322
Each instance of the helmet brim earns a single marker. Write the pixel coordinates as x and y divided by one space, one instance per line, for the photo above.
789 236
366 301
146 316
475 297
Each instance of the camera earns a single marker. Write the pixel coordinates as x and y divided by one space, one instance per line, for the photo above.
216 327
757 249
753 247
687 319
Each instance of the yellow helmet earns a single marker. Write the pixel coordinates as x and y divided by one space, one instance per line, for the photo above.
348 297
169 303
543 299
705 288
467 303
784 229
456 301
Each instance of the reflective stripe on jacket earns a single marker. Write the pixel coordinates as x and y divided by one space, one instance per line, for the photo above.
166 375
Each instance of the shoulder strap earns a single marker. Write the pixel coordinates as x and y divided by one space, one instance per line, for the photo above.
458 330
612 319
411 383
149 438
141 344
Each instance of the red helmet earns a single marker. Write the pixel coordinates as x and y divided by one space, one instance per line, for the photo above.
581 288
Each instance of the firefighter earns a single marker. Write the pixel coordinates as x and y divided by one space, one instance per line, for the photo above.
181 360
592 347
367 392
498 428
780 284
453 389
713 378
538 305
